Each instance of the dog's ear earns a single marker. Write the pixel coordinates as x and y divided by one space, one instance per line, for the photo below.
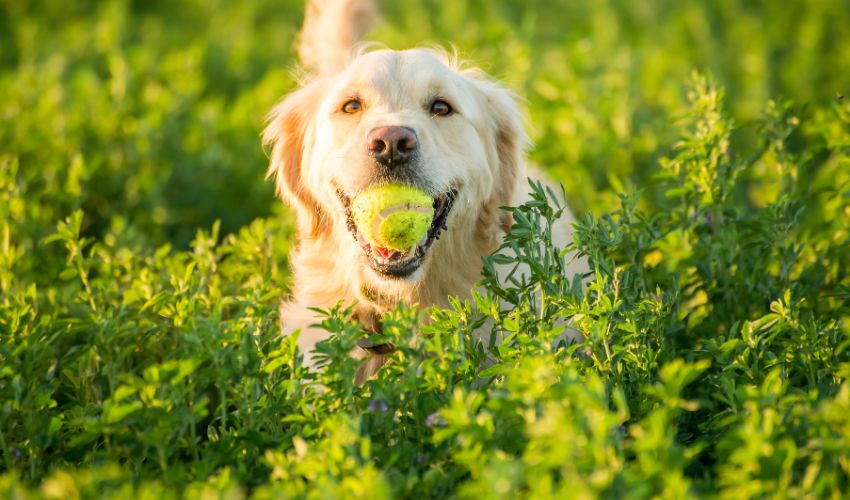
288 131
509 143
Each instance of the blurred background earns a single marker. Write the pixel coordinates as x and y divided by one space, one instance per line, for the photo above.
147 114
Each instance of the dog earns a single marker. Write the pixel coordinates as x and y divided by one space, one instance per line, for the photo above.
367 117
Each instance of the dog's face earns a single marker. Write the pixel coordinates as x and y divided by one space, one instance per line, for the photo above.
404 117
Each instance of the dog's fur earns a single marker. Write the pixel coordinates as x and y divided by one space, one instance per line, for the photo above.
319 157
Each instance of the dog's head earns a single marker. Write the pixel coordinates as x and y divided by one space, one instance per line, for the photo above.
410 117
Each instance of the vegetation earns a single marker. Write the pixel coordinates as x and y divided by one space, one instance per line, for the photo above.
142 258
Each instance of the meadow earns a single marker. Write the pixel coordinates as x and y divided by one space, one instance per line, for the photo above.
704 146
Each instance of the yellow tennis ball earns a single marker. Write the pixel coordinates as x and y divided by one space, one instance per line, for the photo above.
393 216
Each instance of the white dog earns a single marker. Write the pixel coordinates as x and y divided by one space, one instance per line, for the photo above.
414 117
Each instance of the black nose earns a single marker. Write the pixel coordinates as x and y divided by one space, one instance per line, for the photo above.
392 146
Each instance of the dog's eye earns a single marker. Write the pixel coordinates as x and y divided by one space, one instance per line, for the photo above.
352 106
441 108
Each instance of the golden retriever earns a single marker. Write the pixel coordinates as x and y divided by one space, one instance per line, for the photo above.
368 117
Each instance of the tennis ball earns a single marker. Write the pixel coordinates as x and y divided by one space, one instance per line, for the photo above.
393 216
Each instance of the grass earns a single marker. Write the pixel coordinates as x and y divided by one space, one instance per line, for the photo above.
142 258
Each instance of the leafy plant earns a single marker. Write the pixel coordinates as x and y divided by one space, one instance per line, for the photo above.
713 346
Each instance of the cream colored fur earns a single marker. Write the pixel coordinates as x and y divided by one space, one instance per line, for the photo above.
316 149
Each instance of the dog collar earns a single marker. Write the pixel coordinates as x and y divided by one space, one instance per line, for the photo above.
372 323
373 348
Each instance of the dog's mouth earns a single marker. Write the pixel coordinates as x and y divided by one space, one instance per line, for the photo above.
394 263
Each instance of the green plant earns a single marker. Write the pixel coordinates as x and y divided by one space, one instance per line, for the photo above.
139 360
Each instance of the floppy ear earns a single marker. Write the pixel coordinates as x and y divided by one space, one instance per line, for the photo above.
288 132
510 142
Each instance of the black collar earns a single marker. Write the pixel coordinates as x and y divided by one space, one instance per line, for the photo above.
373 348
372 323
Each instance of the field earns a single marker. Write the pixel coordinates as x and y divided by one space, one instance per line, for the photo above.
705 147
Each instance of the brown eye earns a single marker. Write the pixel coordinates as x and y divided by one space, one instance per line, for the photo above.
352 106
441 108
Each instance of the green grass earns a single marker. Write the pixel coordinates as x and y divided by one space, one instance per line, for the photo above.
142 258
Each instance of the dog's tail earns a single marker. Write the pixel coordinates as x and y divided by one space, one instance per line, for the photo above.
331 30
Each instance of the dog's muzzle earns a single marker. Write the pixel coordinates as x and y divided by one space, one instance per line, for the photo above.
393 263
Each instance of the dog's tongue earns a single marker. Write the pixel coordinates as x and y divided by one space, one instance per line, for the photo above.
383 252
